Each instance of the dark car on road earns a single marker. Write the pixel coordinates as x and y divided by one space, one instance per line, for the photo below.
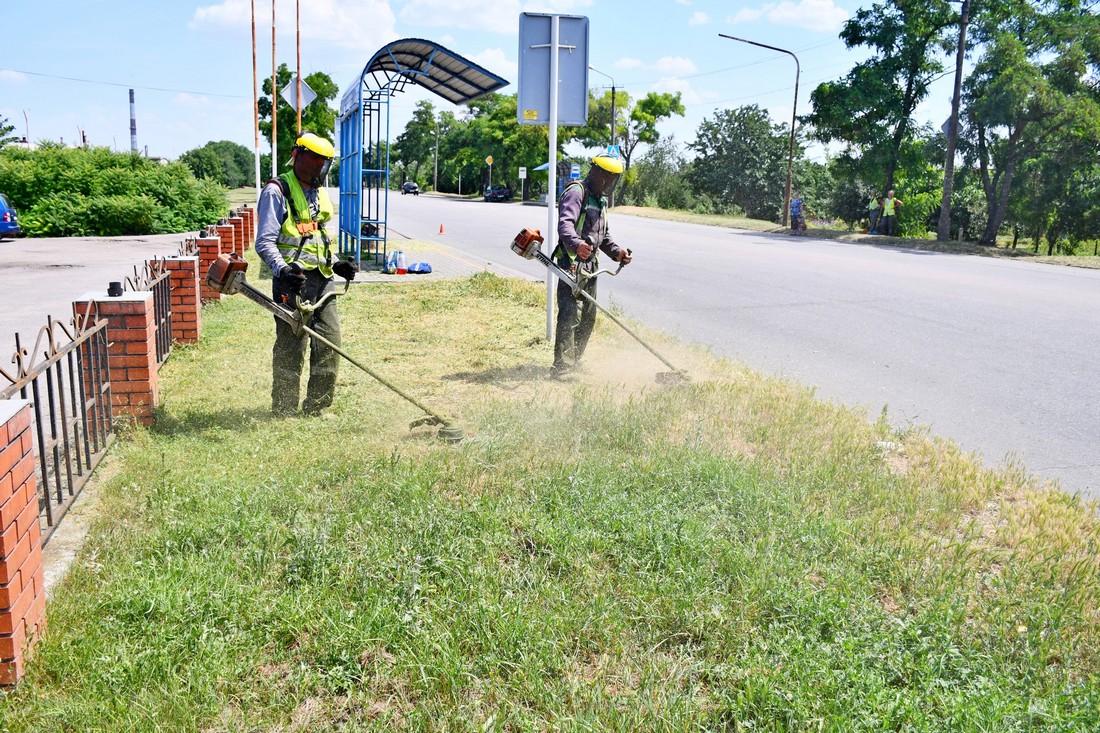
9 221
498 192
410 187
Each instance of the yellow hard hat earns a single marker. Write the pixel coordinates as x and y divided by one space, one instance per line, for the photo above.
316 144
610 163
604 174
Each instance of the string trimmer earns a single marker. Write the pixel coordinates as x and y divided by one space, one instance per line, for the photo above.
526 245
227 276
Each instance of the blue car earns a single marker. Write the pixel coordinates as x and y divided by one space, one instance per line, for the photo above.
9 222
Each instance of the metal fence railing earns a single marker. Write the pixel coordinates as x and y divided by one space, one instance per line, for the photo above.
155 276
66 378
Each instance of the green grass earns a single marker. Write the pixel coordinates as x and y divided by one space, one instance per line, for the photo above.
844 235
602 554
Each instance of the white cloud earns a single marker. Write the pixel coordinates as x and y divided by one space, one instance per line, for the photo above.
629 63
699 18
186 99
817 15
12 77
348 23
675 66
498 17
496 61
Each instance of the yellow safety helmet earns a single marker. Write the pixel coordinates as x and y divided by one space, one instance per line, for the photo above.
316 144
604 174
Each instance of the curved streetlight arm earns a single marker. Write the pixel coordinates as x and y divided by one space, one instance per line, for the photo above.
593 68
794 116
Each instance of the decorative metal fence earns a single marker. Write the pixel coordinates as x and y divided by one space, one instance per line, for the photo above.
67 381
155 276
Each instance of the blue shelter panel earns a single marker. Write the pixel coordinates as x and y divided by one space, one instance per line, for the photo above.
365 131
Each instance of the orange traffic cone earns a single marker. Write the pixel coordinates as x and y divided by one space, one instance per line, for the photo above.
441 229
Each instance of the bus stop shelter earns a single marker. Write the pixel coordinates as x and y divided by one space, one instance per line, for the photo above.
365 131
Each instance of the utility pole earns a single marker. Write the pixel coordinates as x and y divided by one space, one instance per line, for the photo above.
255 102
298 71
794 117
943 231
593 68
274 101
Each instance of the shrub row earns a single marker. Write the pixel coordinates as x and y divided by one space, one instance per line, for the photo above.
96 192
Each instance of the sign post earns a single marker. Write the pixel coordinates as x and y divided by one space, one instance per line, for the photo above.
542 69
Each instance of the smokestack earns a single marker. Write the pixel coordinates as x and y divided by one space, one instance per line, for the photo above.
133 125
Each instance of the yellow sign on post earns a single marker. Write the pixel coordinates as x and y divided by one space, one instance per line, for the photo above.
489 160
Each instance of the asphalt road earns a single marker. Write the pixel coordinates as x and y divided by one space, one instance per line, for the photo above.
998 355
44 276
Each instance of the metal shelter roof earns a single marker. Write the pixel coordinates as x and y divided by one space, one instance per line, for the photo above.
453 77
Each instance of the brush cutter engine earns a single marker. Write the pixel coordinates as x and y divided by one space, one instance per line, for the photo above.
527 242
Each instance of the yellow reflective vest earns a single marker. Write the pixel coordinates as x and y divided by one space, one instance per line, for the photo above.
302 238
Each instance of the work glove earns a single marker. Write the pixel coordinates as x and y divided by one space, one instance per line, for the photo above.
344 269
625 256
293 277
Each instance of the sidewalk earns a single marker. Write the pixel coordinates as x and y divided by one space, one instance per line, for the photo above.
447 263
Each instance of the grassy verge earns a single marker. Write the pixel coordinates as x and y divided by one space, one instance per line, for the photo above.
843 235
601 554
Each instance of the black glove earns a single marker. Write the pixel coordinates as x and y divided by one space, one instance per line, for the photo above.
344 269
293 277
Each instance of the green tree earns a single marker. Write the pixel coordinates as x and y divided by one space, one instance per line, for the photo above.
741 159
6 133
871 109
416 145
317 116
659 180
1033 94
230 164
204 163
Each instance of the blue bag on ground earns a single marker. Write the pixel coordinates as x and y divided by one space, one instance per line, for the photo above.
420 268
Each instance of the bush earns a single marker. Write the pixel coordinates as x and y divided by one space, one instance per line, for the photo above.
96 192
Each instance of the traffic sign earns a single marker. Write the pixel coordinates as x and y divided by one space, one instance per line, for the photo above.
522 172
489 160
574 171
290 94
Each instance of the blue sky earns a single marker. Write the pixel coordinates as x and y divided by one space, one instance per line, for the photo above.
66 65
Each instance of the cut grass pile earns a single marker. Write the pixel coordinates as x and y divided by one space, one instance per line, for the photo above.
599 554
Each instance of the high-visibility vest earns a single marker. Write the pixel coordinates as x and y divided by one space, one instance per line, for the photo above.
888 207
302 238
872 204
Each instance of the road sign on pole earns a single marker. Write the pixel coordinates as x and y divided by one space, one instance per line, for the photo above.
290 94
522 173
543 70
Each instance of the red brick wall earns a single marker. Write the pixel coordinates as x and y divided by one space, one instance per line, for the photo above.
183 274
209 249
225 232
132 353
237 222
22 582
249 215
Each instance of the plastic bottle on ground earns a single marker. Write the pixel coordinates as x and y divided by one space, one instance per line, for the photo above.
402 265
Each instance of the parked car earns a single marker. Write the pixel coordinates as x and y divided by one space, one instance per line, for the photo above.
410 187
498 192
9 220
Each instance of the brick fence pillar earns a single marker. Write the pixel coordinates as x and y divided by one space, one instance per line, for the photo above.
183 276
209 249
249 215
239 237
132 354
22 581
225 231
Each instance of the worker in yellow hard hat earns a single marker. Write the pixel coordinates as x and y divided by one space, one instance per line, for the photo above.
291 239
582 231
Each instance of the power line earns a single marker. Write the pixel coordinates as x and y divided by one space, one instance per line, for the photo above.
127 86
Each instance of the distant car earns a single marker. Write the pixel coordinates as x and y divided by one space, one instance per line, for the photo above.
498 192
9 221
410 187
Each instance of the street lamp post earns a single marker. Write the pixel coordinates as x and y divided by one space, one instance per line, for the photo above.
593 68
794 116
943 231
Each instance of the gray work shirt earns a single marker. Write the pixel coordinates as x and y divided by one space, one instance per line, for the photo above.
271 212
569 212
